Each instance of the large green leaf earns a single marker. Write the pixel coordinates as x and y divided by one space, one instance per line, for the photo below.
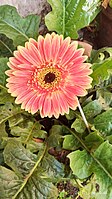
80 163
99 163
101 71
35 173
68 16
17 28
3 67
103 122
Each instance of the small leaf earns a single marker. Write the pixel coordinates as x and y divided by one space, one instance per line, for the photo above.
103 122
79 125
80 163
93 140
70 142
101 71
92 109
3 67
67 17
17 28
56 136
105 98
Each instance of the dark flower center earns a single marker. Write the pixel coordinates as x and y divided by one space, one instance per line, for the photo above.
49 77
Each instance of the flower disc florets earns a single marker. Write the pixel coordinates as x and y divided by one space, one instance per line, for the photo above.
48 75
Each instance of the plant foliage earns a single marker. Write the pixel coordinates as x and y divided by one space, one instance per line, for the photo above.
35 153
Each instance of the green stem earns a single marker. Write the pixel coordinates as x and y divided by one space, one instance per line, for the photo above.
63 17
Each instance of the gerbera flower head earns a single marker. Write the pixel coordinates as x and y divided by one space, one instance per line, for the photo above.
48 75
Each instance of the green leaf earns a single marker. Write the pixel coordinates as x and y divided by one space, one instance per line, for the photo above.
56 136
103 122
3 67
6 46
70 142
79 125
17 28
80 163
99 163
92 109
101 71
29 168
67 17
51 168
18 158
93 140
9 183
104 176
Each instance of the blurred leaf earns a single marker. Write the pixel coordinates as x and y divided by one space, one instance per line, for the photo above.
101 71
80 163
71 115
67 17
92 109
79 125
3 67
70 142
17 28
105 98
92 190
101 54
103 122
6 46
5 96
93 140
29 167
56 136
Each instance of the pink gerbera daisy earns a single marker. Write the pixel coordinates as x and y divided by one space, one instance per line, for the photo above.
48 75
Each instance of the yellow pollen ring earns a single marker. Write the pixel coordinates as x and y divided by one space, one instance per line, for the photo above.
41 77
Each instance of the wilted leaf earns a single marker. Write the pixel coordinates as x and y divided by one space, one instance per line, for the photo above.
70 142
103 122
67 17
3 67
17 28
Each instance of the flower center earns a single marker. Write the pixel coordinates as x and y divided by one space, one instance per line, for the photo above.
49 77
46 78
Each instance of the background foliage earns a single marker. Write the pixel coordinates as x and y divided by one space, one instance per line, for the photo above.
30 164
